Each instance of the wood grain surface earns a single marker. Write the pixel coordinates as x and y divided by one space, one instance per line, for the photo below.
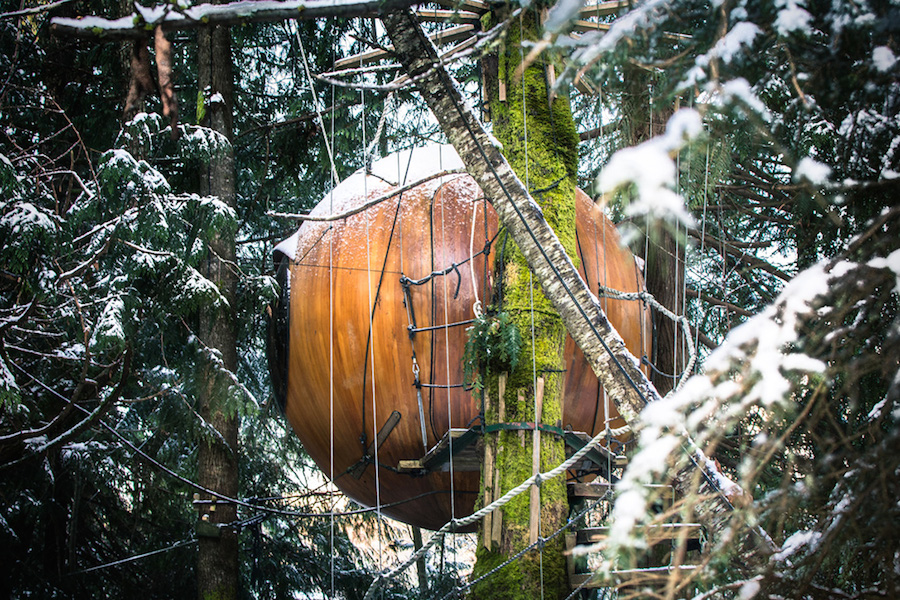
350 352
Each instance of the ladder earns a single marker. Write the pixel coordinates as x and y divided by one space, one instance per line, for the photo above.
655 567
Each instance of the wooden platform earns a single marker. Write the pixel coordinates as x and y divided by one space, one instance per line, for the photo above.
625 577
466 448
654 533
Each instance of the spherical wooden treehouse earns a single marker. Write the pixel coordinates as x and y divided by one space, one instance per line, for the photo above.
369 335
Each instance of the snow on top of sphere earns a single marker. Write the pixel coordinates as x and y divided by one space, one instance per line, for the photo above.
398 169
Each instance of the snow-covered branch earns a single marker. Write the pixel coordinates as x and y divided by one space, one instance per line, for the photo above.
772 369
170 18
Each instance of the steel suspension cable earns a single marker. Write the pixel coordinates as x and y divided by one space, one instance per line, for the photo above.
312 91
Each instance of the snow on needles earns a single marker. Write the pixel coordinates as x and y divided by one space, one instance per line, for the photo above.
792 17
812 170
883 58
756 366
650 167
741 36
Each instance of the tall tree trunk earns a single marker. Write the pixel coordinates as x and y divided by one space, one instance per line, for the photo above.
581 313
541 143
217 567
663 255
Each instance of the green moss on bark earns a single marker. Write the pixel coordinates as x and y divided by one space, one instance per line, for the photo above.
541 143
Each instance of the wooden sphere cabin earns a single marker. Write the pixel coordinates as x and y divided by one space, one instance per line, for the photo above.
363 295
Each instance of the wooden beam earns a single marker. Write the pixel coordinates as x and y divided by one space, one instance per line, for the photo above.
598 489
360 467
448 16
625 577
497 518
466 43
488 475
594 490
655 533
473 5
604 9
583 26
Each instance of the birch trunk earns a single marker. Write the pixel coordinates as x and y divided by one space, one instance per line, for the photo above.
578 307
616 368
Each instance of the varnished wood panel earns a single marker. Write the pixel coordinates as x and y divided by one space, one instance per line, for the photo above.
347 270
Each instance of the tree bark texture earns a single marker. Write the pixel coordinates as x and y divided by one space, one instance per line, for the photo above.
664 276
217 568
663 256
541 143
520 214
581 313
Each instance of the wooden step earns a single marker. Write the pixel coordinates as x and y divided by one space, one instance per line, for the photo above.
598 489
625 577
654 533
466 448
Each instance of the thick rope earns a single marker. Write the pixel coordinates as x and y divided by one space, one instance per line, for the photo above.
454 524
679 319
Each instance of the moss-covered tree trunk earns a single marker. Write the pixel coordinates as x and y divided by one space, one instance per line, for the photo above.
541 144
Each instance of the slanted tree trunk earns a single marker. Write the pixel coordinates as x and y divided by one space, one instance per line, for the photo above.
545 255
519 213
217 567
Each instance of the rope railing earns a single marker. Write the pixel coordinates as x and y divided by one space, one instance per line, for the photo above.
454 524
681 320
536 545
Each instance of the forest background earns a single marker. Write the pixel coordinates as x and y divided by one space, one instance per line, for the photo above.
792 224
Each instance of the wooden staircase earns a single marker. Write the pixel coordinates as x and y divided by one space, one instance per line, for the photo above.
655 567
